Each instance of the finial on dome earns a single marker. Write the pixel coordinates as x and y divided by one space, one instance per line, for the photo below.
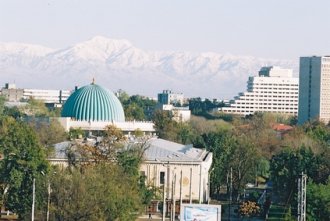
93 82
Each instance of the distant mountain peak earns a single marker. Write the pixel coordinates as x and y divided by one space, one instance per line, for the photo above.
119 64
24 49
98 48
103 42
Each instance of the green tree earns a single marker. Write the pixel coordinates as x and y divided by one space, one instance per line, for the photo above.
2 104
318 131
288 215
137 107
258 130
244 160
104 183
231 153
75 133
221 145
122 96
23 159
134 112
100 192
165 127
199 107
49 132
185 133
318 201
286 166
36 108
138 133
13 112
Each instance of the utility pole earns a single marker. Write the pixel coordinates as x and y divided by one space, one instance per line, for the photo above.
302 197
33 197
48 200
230 191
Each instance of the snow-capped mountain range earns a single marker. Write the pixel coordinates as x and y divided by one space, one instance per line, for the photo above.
117 64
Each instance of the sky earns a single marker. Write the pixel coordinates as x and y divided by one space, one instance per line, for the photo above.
280 29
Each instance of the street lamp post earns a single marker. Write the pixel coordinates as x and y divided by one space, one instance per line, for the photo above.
230 191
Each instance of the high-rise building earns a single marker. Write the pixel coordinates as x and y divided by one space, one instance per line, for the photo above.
273 90
167 97
314 89
174 102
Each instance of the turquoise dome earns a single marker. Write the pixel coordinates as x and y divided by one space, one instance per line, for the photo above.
93 103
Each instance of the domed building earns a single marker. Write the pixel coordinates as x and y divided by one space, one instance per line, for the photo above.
93 107
93 103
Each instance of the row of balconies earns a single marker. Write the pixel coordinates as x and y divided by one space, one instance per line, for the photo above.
251 109
263 107
265 104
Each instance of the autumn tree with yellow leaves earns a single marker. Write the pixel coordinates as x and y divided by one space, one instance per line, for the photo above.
249 209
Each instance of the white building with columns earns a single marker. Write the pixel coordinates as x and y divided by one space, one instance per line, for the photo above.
273 90
183 169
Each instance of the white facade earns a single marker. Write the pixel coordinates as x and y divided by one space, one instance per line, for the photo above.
127 126
48 96
274 90
14 94
314 89
168 97
180 114
183 169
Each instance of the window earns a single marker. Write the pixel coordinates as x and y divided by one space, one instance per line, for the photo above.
162 177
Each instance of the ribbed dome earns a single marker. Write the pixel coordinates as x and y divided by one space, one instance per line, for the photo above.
93 103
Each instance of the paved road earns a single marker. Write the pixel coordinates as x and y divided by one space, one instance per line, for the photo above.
154 217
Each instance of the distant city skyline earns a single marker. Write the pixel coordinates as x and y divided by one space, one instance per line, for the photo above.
267 29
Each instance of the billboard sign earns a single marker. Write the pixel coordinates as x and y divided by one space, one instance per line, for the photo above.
200 212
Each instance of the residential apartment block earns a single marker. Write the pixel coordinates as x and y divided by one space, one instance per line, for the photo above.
273 90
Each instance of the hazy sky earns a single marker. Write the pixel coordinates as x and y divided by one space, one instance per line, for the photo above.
263 28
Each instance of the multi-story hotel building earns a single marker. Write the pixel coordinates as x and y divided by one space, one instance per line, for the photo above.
314 89
273 90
